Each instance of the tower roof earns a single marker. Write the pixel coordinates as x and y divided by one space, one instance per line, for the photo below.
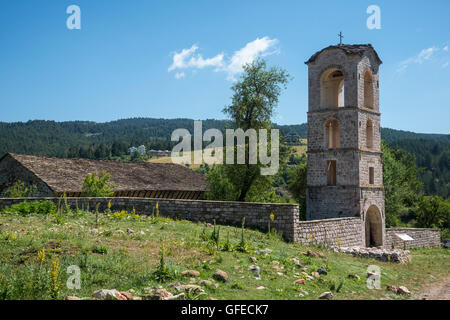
348 49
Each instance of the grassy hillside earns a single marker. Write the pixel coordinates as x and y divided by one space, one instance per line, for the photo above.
123 260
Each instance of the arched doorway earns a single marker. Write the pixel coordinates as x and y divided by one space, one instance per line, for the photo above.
374 227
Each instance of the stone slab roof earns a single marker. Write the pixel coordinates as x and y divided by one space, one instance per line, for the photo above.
68 174
349 49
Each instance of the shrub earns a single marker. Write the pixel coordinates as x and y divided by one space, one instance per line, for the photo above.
26 208
97 186
19 190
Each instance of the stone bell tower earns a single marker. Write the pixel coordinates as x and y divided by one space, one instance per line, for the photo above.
345 173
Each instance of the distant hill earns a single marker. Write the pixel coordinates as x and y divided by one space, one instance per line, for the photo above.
100 140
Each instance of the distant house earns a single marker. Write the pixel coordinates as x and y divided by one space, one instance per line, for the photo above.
54 176
141 149
159 153
292 137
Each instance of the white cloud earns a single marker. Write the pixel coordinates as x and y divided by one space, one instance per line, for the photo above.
251 51
445 65
423 56
179 75
190 59
445 48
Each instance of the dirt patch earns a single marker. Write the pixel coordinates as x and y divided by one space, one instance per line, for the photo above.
435 291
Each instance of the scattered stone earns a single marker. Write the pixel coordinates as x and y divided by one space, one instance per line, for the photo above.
298 265
191 273
72 298
160 294
309 278
403 290
130 231
276 267
105 294
254 260
119 232
142 233
220 276
300 281
208 283
326 295
187 287
301 295
260 288
315 275
280 273
179 296
354 276
256 272
392 289
126 294
94 232
210 298
131 291
236 267
322 270
315 254
136 298
296 261
381 254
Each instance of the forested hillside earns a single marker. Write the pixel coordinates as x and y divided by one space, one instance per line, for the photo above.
102 140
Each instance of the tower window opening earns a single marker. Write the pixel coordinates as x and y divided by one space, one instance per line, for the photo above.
369 134
332 89
331 172
332 134
368 90
371 175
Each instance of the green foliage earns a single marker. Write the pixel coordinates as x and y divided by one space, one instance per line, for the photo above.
400 182
297 187
97 186
19 190
433 212
27 208
163 272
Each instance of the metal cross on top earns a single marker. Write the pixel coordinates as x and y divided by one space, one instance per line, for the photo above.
340 37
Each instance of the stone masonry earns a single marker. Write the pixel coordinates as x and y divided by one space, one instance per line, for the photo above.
345 178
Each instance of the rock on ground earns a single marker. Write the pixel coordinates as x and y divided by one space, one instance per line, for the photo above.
221 275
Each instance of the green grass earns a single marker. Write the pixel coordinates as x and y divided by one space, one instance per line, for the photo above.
122 261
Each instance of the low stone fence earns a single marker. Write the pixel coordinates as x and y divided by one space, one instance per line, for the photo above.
423 238
339 231
257 215
331 232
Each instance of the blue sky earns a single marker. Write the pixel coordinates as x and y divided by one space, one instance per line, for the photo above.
121 63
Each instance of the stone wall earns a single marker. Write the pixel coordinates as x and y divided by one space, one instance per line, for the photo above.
11 171
230 213
330 232
345 231
423 238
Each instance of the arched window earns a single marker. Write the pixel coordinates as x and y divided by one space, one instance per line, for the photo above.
332 134
369 134
368 90
332 89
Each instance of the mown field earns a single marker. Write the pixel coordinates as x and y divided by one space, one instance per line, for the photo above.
36 250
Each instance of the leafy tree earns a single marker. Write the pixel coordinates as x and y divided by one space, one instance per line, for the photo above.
97 186
433 212
400 182
297 187
253 103
19 190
